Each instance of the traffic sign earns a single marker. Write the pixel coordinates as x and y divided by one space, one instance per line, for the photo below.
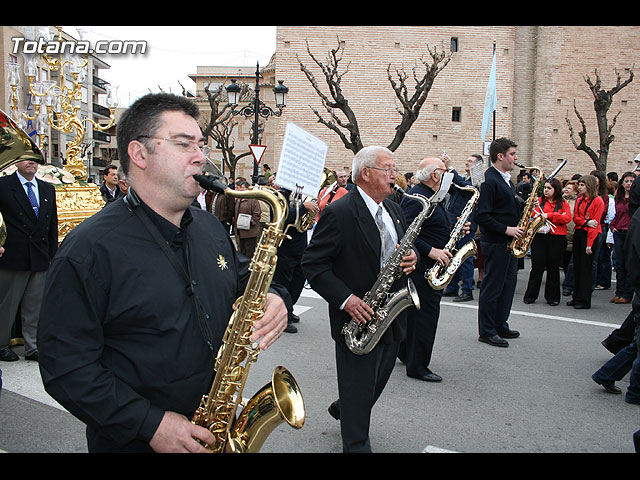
257 151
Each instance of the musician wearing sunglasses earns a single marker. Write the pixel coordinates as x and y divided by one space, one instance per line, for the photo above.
140 294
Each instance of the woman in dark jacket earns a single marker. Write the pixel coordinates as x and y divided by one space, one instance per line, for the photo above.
247 230
619 226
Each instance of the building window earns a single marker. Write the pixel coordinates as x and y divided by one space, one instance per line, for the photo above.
455 114
454 44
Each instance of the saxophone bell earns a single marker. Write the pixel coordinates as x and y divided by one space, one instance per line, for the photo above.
439 276
278 401
529 222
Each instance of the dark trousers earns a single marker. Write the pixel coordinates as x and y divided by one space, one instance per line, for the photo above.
547 252
623 286
603 261
422 324
361 380
582 270
498 287
621 336
289 274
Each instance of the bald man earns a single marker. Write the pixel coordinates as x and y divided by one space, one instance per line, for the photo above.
415 351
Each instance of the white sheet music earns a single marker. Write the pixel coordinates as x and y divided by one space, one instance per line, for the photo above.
301 161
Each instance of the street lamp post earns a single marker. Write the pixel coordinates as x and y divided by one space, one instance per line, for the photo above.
257 108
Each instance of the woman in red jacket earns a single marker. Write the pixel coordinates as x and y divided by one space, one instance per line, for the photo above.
587 215
549 245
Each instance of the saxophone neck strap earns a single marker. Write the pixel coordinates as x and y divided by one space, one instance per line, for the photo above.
133 203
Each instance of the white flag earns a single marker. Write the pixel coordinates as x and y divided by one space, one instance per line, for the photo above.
490 100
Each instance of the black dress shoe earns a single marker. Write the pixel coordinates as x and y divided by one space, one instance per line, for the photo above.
334 410
464 297
291 328
528 301
8 355
553 303
495 341
581 307
571 303
609 387
34 356
294 318
426 377
509 334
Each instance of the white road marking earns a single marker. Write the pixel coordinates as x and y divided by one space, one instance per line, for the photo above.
432 449
542 315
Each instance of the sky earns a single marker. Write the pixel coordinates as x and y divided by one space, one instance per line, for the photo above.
175 52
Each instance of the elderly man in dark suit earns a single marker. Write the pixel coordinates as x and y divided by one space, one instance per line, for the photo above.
342 263
497 215
28 206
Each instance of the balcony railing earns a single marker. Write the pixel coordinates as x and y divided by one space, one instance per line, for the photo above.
100 110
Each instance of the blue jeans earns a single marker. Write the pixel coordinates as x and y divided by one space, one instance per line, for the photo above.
619 365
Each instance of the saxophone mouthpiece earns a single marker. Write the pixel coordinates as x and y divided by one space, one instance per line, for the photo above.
397 187
210 182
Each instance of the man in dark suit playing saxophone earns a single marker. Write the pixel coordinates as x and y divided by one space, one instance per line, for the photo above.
342 263
497 215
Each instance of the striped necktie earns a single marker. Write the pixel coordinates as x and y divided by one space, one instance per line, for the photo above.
387 241
32 197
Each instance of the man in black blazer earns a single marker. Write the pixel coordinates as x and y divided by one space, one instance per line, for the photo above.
497 215
416 350
110 188
32 241
341 263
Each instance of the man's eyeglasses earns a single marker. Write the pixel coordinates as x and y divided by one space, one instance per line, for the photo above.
389 171
189 146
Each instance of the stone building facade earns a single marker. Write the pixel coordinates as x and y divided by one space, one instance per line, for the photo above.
540 72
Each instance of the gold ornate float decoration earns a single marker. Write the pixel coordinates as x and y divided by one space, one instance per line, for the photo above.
56 105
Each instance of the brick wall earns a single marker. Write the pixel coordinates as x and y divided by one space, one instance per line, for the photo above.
540 71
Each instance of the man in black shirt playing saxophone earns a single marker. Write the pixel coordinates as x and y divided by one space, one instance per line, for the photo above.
126 345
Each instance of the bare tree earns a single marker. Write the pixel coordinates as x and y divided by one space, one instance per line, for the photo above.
602 103
220 124
222 136
342 119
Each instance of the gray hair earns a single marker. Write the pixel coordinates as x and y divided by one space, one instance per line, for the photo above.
424 173
366 157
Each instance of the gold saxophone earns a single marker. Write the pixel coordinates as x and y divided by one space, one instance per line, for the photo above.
528 222
439 275
305 221
280 399
361 338
15 146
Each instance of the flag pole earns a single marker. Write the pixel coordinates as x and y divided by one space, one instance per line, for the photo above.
494 111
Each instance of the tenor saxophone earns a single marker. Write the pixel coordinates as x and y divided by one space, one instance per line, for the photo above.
280 399
361 338
439 275
528 222
305 221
